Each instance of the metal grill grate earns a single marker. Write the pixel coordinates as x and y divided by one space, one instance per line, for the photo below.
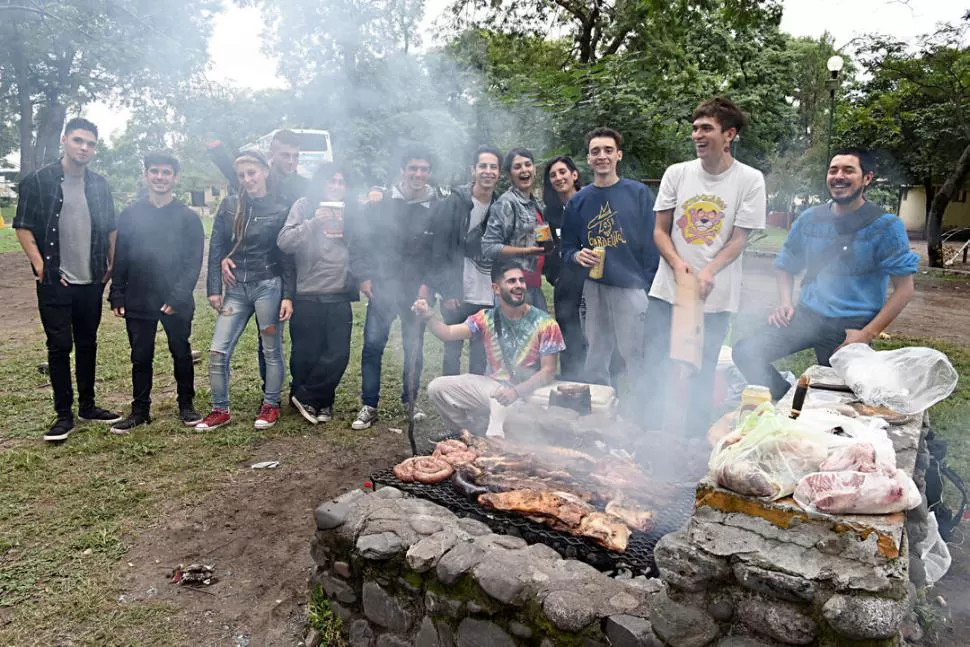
637 558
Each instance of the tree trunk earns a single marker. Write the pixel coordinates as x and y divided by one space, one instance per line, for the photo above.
947 192
50 122
928 193
25 107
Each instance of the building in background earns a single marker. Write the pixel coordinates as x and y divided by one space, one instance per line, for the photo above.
912 209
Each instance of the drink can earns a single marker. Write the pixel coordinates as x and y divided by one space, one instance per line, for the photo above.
752 397
544 237
333 222
596 272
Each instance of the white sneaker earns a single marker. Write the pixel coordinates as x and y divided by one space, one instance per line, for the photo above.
366 417
419 415
325 414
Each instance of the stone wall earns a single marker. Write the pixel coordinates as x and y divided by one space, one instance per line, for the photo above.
775 574
401 571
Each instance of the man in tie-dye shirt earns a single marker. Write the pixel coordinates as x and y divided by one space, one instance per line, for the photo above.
522 345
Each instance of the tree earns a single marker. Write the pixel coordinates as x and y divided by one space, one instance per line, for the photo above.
57 56
915 111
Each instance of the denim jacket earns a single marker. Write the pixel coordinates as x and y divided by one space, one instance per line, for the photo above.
512 221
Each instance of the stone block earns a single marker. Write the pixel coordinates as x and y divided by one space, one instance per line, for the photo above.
519 629
474 527
342 612
862 617
502 583
427 635
740 641
568 610
390 640
360 634
779 621
440 605
379 547
342 569
774 584
331 514
685 566
630 631
679 625
318 552
479 633
424 555
446 635
458 561
337 589
385 610
388 492
425 525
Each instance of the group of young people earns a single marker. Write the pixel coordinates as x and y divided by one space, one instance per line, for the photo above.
289 249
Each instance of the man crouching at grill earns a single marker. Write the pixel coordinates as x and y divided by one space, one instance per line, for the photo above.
522 344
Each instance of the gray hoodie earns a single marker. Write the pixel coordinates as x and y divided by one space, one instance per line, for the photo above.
322 262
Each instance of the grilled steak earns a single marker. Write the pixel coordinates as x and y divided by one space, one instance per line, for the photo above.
606 530
565 508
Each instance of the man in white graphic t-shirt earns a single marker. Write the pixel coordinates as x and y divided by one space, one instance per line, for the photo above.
706 208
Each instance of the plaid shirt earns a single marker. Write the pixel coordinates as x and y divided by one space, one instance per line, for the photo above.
39 202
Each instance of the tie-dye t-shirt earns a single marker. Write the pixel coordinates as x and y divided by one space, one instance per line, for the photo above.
524 341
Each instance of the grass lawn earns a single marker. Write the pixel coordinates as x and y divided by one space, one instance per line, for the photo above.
8 237
770 240
68 512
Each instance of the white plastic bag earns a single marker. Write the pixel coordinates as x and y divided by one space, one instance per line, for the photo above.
880 492
934 552
767 455
907 380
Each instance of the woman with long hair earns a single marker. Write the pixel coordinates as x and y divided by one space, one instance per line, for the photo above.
560 183
247 275
319 233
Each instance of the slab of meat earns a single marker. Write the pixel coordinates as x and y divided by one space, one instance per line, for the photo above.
631 514
561 506
745 477
857 457
879 492
606 530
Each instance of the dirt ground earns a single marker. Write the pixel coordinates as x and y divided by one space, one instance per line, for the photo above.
255 527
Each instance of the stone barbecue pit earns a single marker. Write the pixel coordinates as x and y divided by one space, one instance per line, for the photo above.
418 565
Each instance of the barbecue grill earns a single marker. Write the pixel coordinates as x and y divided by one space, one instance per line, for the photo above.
637 558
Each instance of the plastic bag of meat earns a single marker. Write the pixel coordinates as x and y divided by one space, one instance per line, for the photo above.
907 380
768 454
880 492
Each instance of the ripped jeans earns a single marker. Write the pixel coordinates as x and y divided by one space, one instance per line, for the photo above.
261 298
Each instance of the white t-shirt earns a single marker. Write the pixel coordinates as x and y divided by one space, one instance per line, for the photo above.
476 277
707 208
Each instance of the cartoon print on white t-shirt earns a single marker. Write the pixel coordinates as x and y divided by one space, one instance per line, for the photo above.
702 219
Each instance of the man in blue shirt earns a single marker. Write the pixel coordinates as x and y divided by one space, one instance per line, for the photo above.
616 214
850 250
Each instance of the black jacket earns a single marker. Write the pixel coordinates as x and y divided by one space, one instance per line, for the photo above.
39 202
450 245
257 257
552 267
395 239
158 258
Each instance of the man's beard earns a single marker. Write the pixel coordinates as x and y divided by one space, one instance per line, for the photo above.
849 199
511 300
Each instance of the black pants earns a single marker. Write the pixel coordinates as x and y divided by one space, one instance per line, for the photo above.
567 296
321 349
754 354
451 364
141 336
71 315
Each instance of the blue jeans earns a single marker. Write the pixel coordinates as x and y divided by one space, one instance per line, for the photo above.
261 298
386 305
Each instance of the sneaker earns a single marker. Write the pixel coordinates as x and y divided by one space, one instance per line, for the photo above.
125 426
308 411
366 417
216 418
97 414
60 430
196 356
189 416
268 415
325 414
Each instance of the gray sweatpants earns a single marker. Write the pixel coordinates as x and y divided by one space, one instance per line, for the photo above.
466 402
615 321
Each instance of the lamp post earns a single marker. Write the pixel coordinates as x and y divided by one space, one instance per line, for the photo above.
834 65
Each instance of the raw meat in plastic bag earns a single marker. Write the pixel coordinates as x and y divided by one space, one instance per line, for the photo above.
767 455
907 380
880 492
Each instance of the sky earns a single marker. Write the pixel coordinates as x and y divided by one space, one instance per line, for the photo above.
240 65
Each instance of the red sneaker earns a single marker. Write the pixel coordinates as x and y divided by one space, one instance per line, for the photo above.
268 415
217 418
